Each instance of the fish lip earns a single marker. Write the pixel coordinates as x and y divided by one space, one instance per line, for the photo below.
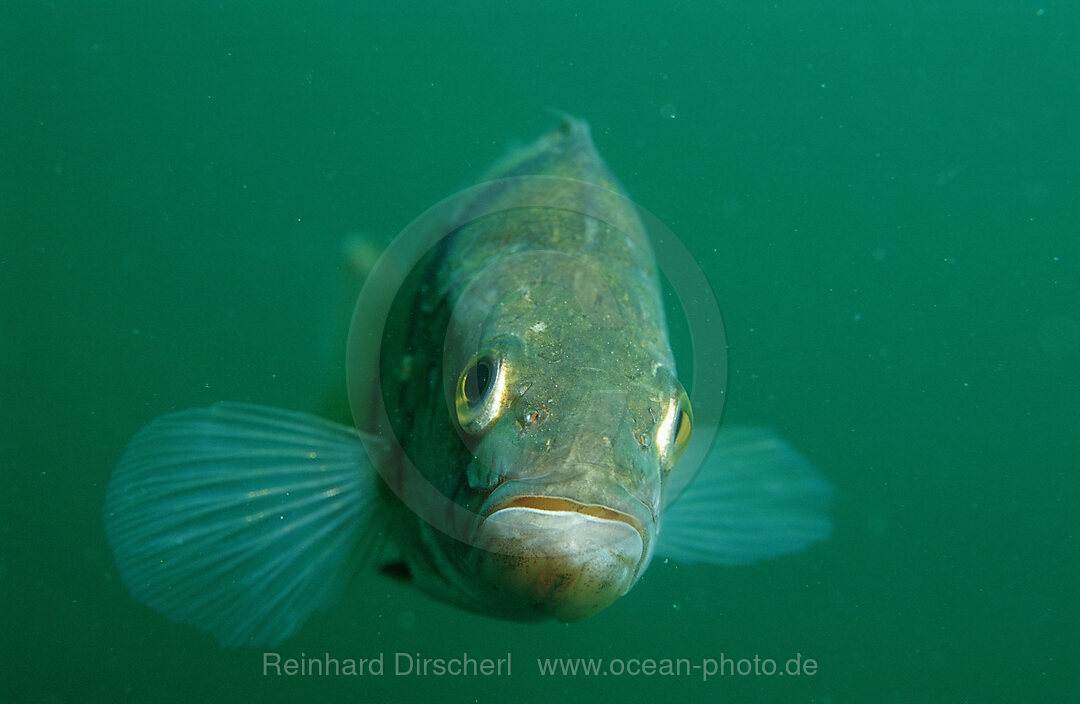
558 503
555 504
530 493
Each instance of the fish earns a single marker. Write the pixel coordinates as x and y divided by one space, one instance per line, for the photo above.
518 437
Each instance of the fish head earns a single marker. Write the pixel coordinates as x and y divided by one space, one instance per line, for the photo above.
573 426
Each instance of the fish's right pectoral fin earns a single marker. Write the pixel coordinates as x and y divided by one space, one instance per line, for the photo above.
241 520
754 498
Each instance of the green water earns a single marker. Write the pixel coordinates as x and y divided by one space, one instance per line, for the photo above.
884 196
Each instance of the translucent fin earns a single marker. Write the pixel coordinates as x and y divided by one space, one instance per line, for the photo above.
240 520
754 498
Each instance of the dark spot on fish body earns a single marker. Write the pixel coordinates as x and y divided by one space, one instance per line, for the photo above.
397 570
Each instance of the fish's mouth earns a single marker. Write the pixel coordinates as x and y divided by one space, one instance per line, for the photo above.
560 557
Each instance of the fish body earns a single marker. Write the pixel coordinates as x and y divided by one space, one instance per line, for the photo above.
559 460
518 421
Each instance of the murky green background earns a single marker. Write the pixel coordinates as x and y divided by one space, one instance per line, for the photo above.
885 197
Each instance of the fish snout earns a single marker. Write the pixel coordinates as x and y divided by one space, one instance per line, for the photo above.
559 558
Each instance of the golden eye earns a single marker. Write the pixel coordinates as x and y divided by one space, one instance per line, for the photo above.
480 391
683 427
673 433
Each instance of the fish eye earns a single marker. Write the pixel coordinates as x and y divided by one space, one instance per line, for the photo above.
683 426
476 383
480 391
673 433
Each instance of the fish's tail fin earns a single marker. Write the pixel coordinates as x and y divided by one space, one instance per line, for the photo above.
241 520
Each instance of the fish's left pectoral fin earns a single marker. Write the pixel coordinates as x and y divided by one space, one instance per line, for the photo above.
754 498
241 520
